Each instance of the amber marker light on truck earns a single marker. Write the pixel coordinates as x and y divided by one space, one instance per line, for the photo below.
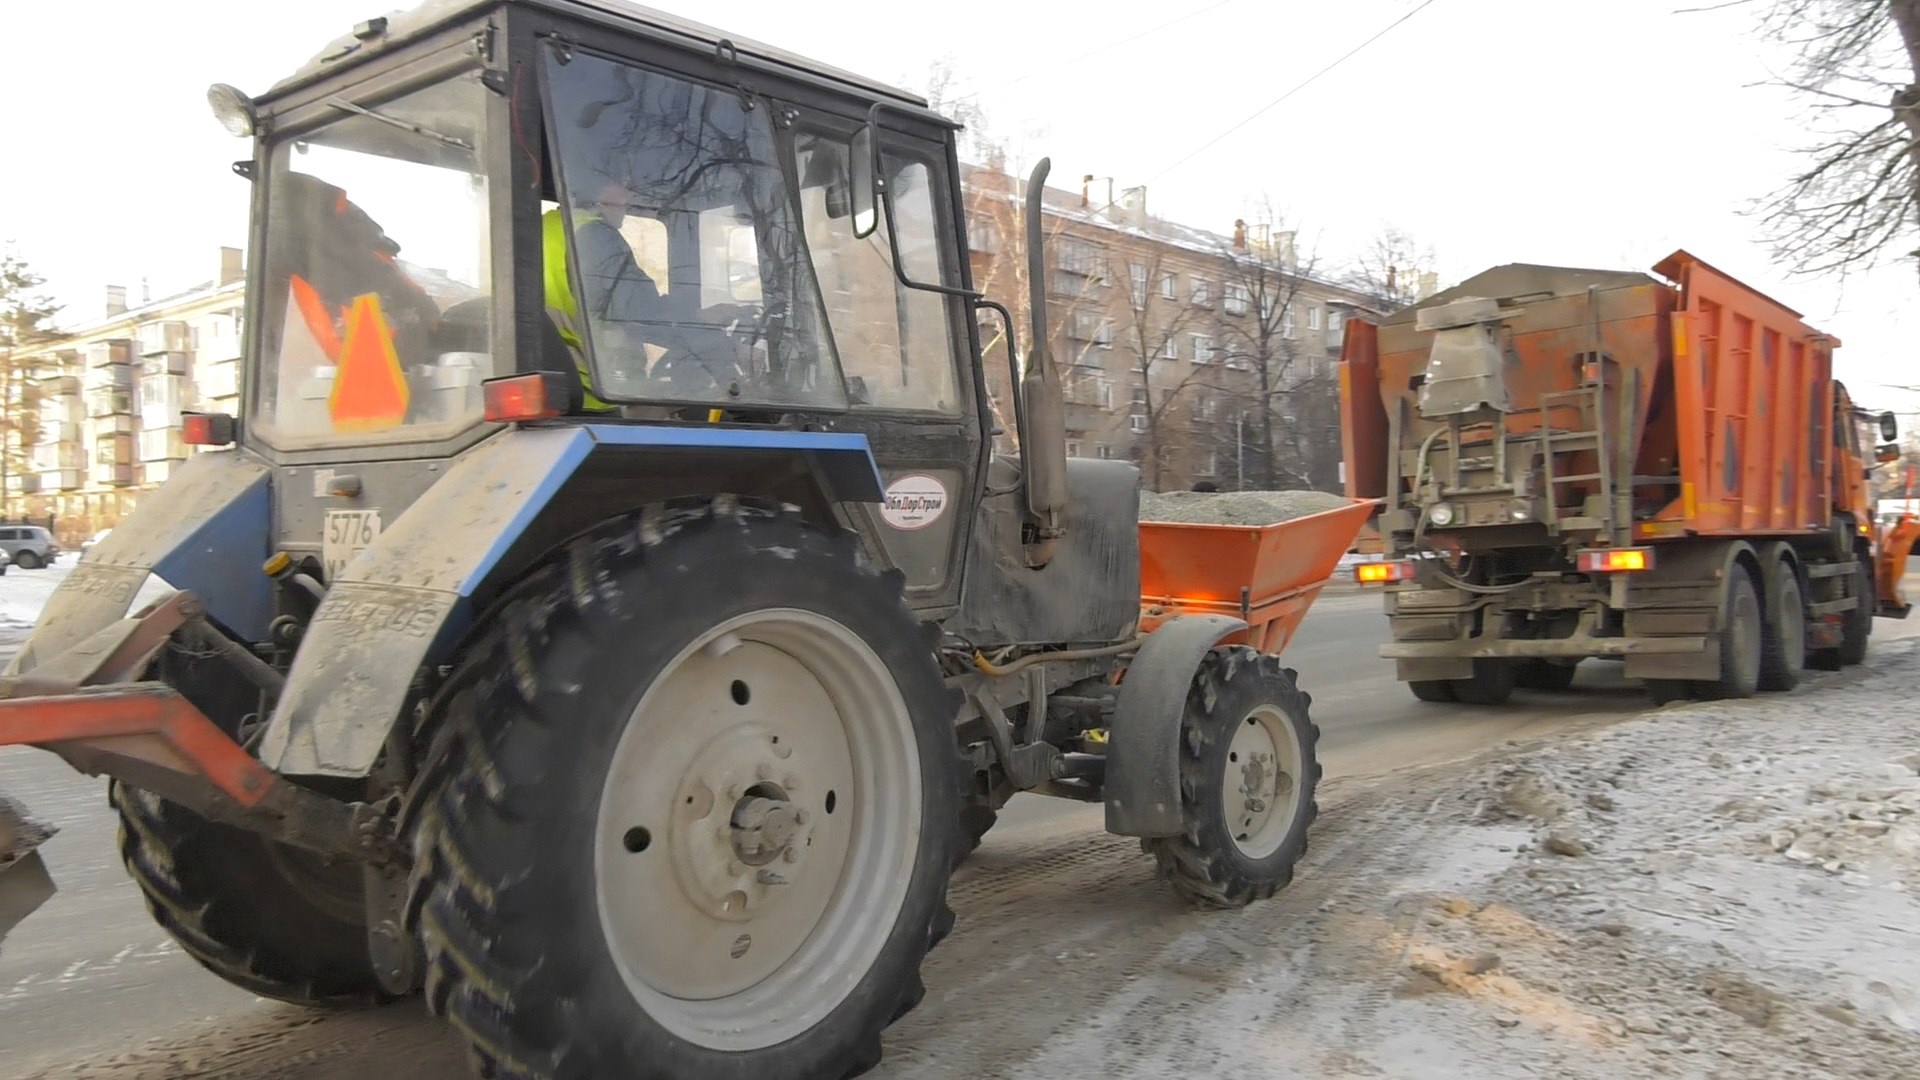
1378 573
540 395
1614 560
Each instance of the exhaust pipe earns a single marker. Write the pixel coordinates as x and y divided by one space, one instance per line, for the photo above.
1045 446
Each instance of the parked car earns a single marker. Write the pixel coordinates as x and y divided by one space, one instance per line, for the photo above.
29 546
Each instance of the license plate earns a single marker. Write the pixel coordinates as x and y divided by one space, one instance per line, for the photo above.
347 533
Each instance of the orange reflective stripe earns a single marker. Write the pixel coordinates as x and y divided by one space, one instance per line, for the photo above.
314 311
370 391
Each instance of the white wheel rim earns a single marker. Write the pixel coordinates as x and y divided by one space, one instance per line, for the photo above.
1261 793
781 718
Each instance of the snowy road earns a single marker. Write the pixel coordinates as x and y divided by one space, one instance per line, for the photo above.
90 987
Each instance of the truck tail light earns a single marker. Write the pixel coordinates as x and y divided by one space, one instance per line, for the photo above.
539 395
207 429
1379 573
1614 560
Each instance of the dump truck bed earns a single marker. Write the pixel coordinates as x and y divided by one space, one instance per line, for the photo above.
1724 396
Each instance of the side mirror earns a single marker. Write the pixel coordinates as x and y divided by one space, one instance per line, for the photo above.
1888 454
865 190
1889 427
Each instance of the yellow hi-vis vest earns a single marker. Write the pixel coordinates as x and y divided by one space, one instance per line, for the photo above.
561 305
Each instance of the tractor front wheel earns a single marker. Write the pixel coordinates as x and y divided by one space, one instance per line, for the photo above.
690 811
1248 771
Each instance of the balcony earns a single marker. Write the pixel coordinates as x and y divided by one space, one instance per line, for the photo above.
221 380
59 479
117 475
59 386
52 457
163 337
106 426
109 353
163 363
113 450
110 402
24 483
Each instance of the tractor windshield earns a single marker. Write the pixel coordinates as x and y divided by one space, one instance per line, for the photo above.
675 256
374 314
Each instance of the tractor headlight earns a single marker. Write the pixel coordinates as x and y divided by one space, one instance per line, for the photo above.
233 109
1441 514
1520 510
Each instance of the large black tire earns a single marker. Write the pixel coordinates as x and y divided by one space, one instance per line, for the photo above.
1858 627
1544 675
1492 683
27 560
1740 641
1783 641
511 842
1438 691
270 919
1224 860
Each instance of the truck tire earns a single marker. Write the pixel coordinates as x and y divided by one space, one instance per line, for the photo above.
1783 641
1438 691
1492 683
1740 641
1544 675
1858 626
690 808
273 920
1248 770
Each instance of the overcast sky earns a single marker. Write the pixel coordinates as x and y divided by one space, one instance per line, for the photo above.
1550 131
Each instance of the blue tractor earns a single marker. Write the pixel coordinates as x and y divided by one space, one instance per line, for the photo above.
610 616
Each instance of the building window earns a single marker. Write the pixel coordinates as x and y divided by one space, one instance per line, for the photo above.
1170 286
1210 463
1073 447
1087 326
1103 393
1137 278
1103 452
1202 349
1103 334
1169 349
1336 329
983 238
1237 298
1206 408
1202 292
1076 256
1137 423
1266 307
1313 317
1288 328
1139 399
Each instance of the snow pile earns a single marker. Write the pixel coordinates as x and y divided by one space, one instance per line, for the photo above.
1234 507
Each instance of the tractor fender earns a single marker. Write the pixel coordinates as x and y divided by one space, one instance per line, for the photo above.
205 530
407 601
1142 787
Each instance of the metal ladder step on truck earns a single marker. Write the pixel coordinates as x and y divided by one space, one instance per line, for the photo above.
1658 469
674 478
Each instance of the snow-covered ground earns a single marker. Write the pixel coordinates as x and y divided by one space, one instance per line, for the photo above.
23 593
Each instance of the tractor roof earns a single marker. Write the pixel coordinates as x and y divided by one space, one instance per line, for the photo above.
404 26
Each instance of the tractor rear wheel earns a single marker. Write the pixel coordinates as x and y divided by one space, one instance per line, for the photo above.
271 919
1491 684
691 809
1248 771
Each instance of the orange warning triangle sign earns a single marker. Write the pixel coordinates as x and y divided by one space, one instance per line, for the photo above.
370 392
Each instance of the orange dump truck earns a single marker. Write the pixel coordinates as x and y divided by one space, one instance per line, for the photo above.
1588 463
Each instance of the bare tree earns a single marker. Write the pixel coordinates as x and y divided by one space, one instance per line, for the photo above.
1261 332
1155 325
1391 267
26 317
1857 65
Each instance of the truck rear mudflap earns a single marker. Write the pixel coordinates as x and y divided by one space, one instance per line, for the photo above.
24 881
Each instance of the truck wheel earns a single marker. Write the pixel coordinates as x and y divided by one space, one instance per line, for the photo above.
274 920
1858 626
1783 639
1439 691
1247 775
1544 675
1492 683
1740 634
690 811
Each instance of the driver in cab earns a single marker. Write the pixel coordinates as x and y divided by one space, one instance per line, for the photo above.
626 307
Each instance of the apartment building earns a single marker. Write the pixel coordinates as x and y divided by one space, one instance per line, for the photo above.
1197 355
109 397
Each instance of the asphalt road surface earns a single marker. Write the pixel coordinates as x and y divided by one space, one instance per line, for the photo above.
90 987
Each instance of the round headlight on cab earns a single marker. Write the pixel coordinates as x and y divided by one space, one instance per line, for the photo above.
1441 514
233 109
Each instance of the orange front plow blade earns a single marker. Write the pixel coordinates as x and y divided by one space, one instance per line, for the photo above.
1895 546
